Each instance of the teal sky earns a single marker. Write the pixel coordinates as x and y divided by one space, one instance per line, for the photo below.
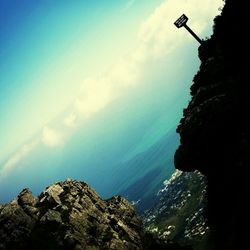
77 73
51 46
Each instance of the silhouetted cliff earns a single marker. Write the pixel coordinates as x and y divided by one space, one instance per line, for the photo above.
215 129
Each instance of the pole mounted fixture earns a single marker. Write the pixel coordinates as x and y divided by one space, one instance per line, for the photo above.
182 22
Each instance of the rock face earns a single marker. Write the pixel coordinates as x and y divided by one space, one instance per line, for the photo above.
71 215
215 129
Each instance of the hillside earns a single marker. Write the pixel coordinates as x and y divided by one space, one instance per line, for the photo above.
143 175
179 213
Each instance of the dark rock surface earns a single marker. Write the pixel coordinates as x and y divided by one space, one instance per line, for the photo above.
215 129
71 215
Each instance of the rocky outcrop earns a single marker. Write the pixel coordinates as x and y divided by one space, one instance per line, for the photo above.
71 215
215 129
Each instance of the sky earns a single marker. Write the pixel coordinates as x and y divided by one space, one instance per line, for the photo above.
88 84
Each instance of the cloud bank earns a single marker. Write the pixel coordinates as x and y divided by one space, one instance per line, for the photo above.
51 137
17 157
158 38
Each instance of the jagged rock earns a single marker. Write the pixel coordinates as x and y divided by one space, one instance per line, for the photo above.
27 201
15 227
71 215
25 198
51 194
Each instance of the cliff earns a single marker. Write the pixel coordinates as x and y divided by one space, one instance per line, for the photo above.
71 215
215 128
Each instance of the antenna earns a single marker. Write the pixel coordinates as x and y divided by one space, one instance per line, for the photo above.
182 22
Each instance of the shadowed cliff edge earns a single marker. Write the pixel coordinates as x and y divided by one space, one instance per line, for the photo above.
215 129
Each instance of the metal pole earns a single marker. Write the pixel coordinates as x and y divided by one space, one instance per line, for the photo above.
192 33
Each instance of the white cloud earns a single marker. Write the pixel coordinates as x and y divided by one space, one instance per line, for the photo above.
70 121
160 36
51 137
94 95
17 157
157 39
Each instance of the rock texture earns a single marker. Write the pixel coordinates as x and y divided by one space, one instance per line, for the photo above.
71 215
215 129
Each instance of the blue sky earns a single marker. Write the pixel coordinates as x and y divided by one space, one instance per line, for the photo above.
51 46
67 66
